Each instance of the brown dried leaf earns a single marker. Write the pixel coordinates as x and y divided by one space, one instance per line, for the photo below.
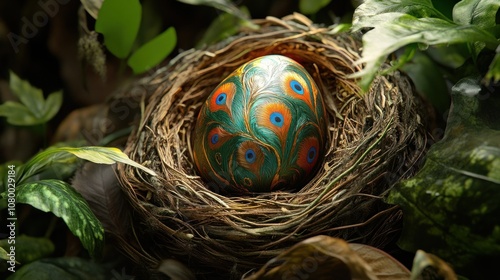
97 183
319 257
382 264
425 260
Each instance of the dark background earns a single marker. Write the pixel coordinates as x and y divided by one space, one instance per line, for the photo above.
49 59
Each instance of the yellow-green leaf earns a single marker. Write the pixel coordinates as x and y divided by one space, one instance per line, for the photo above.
65 155
105 155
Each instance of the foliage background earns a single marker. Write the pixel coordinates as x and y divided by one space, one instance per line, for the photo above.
50 61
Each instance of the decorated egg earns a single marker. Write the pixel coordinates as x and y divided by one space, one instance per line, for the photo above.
262 128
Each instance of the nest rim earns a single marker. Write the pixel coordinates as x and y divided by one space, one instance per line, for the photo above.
187 219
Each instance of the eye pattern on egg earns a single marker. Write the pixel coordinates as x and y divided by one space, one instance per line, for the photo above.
220 99
308 153
250 156
297 87
276 119
216 137
311 155
261 135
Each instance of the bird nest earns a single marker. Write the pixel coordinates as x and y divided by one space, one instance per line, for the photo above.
374 140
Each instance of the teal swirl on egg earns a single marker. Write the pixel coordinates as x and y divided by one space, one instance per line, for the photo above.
263 128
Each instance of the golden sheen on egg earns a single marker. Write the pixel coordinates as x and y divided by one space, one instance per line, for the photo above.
262 128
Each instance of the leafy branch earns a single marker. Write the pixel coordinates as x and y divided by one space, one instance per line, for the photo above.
119 22
58 197
395 24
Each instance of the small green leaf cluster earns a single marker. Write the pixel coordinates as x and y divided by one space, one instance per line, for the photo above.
33 109
119 22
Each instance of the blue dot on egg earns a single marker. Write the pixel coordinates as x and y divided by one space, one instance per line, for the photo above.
297 87
250 156
221 99
277 119
214 139
311 154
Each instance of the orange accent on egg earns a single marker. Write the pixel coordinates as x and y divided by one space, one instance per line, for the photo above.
222 98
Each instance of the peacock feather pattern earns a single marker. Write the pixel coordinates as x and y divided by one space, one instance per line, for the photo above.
262 129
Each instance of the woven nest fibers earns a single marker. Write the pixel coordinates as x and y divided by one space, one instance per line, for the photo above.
374 140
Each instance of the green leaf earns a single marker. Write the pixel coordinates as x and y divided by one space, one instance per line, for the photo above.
153 52
67 268
481 13
52 105
18 114
428 80
449 56
478 12
339 28
450 208
7 176
415 8
395 30
33 109
28 248
4 255
309 7
62 200
29 96
151 23
403 57
45 160
105 155
119 21
494 69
